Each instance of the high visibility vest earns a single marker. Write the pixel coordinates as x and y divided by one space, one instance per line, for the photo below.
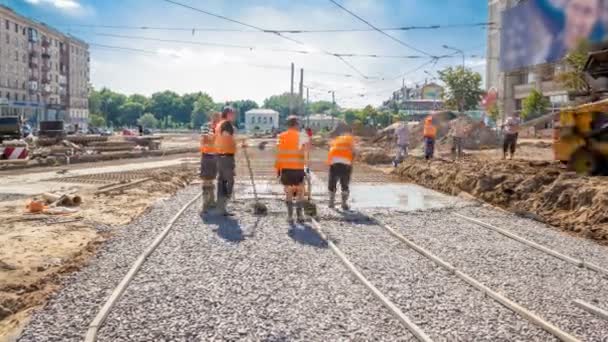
289 153
341 149
207 145
224 144
430 131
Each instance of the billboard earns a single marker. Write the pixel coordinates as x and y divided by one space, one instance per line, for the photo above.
543 31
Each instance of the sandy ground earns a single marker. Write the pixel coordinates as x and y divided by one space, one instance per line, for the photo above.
36 249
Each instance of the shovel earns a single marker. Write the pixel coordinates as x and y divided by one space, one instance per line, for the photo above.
310 209
259 208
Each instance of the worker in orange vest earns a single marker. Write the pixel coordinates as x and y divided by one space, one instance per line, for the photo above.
340 160
225 143
209 162
290 164
430 133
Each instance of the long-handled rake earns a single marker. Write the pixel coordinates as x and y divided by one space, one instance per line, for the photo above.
259 208
309 207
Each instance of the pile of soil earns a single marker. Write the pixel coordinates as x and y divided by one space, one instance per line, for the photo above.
479 135
374 156
540 189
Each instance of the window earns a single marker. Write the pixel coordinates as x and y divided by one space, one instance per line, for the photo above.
16 28
265 120
253 119
8 23
271 119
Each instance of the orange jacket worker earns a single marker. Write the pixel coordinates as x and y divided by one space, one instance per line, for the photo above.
290 165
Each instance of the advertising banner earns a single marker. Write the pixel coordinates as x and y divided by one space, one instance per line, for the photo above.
543 31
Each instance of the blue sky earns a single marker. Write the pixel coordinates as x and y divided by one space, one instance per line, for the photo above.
234 73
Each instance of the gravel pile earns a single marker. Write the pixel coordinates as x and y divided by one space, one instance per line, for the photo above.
539 282
443 306
67 315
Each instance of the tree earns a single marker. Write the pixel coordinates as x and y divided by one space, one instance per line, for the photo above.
243 106
534 105
573 78
202 109
95 102
130 112
148 120
137 98
320 106
463 88
97 120
280 103
167 103
350 115
110 103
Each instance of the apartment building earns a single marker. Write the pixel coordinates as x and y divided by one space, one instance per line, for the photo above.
529 65
44 74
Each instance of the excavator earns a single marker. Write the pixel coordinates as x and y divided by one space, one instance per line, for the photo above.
581 132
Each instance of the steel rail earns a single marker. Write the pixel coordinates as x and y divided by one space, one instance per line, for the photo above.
95 325
577 262
513 306
592 309
399 315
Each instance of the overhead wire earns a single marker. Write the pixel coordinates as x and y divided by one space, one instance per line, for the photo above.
289 31
381 31
219 16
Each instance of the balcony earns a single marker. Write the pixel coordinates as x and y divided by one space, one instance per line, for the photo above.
33 86
46 79
46 68
33 64
33 77
63 80
34 54
46 53
552 88
45 42
521 91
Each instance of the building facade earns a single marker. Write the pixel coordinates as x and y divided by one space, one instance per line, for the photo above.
514 86
44 74
261 121
320 122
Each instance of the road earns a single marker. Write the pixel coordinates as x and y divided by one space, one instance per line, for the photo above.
257 278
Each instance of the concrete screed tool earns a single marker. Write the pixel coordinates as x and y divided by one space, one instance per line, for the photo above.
259 208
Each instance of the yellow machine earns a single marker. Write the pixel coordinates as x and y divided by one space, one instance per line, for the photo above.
581 138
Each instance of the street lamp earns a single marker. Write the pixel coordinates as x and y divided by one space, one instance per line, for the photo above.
457 50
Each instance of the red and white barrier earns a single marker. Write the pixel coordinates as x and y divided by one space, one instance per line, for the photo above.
13 153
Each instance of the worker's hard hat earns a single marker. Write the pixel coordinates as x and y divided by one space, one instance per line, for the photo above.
292 120
227 110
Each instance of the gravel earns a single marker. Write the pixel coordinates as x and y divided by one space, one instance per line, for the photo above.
539 282
442 305
262 281
68 313
247 279
554 238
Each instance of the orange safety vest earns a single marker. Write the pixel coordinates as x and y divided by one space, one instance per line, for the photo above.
289 154
342 147
430 131
208 143
224 144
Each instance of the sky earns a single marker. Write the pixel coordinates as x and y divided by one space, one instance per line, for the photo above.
255 64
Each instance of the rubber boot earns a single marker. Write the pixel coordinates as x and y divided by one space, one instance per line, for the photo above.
332 200
221 207
289 211
300 211
211 199
205 197
345 205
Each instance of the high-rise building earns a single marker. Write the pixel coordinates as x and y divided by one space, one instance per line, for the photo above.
535 64
43 72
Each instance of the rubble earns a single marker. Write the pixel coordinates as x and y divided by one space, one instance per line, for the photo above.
536 189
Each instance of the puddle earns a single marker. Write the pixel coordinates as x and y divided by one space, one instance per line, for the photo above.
397 196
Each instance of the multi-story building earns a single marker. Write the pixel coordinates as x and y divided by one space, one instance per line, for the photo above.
43 72
514 84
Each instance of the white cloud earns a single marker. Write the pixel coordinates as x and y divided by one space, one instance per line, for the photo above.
60 4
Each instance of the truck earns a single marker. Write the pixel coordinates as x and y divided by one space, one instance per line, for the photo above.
52 124
10 123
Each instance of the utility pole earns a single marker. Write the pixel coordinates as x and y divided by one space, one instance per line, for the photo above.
333 101
306 108
291 93
301 93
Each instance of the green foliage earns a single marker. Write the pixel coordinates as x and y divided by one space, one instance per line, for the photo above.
463 88
350 116
280 103
243 106
203 107
137 98
97 120
534 105
167 103
573 78
130 112
320 107
148 121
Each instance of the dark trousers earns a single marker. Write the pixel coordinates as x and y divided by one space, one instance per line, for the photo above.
225 175
339 173
429 147
509 143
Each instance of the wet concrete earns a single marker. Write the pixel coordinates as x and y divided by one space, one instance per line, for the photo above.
397 196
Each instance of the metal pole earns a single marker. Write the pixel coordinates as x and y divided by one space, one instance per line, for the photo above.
291 93
301 93
306 108
333 101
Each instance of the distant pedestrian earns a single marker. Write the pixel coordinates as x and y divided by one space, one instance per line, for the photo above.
402 135
511 132
460 130
430 133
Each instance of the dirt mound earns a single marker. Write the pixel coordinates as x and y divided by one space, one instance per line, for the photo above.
374 156
574 203
479 136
